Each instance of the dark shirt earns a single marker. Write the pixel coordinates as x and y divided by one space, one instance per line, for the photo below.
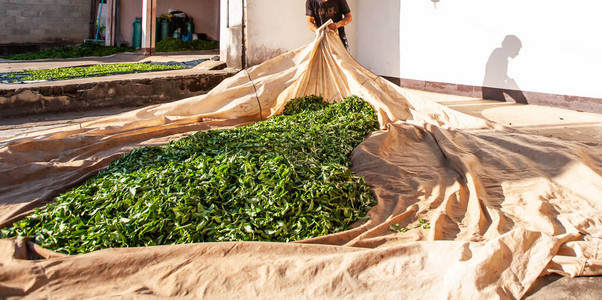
324 11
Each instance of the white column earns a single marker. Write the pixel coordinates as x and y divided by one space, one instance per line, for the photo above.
149 12
110 17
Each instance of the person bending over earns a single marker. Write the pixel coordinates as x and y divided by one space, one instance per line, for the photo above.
319 12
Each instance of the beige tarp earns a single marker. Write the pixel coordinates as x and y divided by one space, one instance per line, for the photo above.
504 207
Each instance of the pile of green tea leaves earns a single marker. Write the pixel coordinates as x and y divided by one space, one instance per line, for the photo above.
171 44
283 179
83 50
86 71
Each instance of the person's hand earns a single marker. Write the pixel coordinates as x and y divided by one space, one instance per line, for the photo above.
333 26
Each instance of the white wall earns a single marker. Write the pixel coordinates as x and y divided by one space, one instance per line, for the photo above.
274 27
561 41
378 36
278 26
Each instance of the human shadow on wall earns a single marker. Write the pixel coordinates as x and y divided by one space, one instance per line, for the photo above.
496 83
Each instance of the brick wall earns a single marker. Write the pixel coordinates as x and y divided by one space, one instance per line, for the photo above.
44 21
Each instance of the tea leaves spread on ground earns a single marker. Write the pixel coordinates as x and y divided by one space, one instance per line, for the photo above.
284 179
89 71
83 50
171 44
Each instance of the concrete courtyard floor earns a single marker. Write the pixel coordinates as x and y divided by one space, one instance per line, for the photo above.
43 99
547 121
125 57
560 123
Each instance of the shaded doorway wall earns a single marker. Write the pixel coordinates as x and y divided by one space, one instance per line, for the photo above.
271 27
205 14
277 26
378 34
231 32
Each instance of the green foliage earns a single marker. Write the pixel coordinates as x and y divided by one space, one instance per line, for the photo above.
307 103
283 179
171 44
88 71
83 50
421 224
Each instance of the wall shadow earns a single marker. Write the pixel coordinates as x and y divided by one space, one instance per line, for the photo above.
497 84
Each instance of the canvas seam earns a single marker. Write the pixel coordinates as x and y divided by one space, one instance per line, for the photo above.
256 96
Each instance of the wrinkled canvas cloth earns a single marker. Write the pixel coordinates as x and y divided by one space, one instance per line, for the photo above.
504 207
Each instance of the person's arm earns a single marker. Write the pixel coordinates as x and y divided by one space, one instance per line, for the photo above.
311 23
341 23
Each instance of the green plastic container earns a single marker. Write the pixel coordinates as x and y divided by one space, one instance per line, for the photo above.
157 31
137 38
164 28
